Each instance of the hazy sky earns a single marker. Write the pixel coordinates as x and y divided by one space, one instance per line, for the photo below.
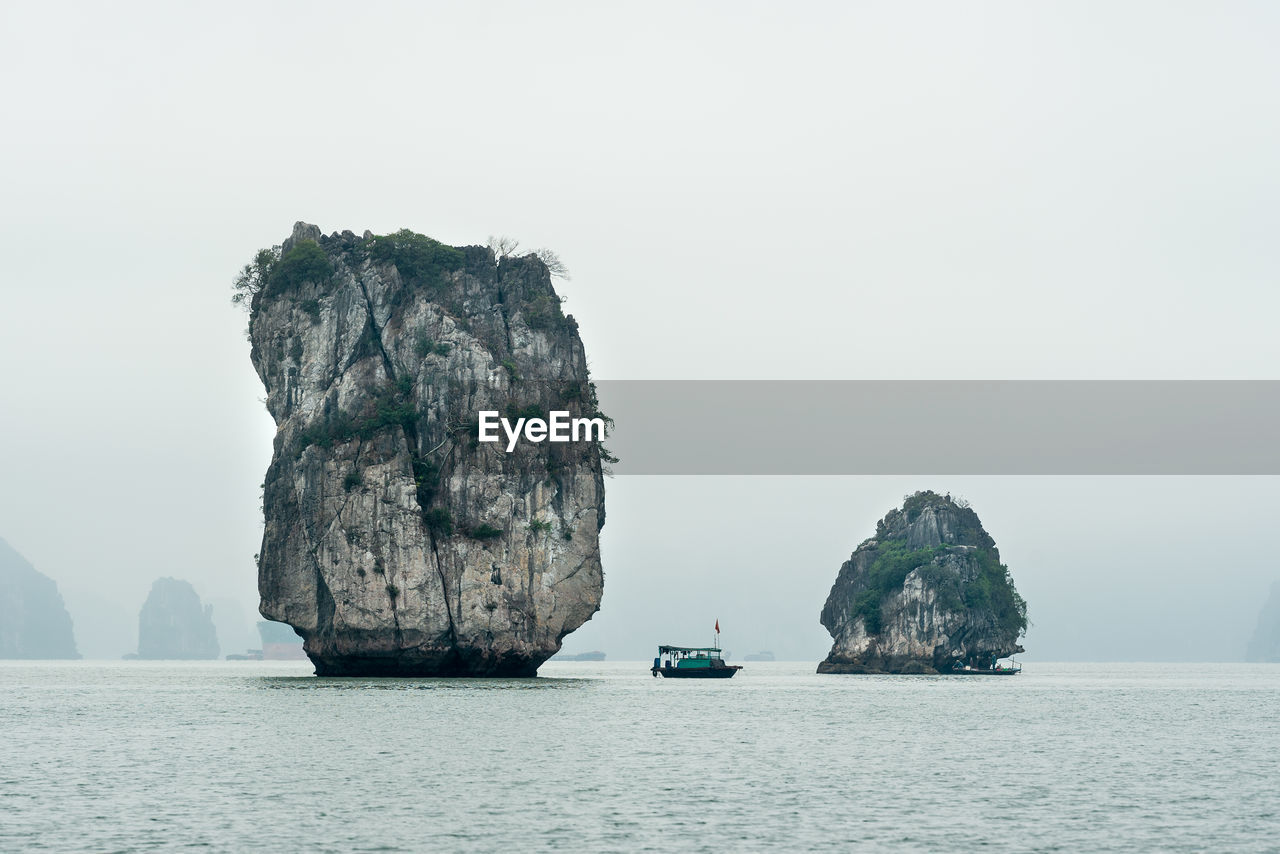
742 191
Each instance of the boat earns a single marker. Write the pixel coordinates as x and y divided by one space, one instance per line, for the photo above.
1013 668
692 662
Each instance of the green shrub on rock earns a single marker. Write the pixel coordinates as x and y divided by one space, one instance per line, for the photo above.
304 262
421 261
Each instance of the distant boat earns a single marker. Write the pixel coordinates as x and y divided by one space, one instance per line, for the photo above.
692 662
1013 668
251 655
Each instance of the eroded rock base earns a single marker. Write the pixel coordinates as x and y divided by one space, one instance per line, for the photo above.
901 668
443 665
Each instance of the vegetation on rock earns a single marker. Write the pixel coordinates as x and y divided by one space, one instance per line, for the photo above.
892 563
304 262
991 589
420 260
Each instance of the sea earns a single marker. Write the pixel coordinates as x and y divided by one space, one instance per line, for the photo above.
601 756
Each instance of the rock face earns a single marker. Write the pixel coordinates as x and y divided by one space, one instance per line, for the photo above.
395 542
173 624
34 622
926 591
1265 645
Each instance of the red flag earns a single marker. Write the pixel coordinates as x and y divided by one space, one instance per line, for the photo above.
717 625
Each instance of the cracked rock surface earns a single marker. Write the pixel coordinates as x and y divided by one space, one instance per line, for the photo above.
394 542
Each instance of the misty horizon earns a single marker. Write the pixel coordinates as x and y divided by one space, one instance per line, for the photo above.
1081 599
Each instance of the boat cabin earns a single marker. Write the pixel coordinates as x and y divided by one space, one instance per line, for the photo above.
687 656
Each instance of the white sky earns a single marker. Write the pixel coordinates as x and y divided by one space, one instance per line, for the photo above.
742 190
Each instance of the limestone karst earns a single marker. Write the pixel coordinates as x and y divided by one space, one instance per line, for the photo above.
175 624
395 543
927 591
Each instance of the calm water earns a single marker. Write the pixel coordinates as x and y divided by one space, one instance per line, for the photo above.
229 756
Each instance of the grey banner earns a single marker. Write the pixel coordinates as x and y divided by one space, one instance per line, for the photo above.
943 427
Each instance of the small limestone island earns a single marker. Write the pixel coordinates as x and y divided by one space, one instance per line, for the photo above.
926 594
175 625
395 543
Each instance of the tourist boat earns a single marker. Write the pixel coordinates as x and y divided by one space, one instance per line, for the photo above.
692 662
995 669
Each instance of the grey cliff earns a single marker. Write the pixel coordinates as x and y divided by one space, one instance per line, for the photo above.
395 543
34 622
174 624
927 591
1265 644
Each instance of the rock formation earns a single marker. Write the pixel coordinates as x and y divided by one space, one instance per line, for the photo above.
928 590
34 622
173 624
1265 645
395 543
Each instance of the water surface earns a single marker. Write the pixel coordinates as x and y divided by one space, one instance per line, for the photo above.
600 756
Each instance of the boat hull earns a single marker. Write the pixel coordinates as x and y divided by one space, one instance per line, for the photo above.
697 672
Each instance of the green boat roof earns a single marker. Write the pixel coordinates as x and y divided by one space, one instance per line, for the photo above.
664 649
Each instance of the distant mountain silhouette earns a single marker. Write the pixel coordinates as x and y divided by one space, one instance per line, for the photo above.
34 622
1265 645
174 623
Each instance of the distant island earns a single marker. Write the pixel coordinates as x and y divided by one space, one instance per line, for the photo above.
1265 644
763 655
174 624
34 623
582 656
927 592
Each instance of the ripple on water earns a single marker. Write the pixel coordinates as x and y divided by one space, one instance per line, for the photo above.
110 756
